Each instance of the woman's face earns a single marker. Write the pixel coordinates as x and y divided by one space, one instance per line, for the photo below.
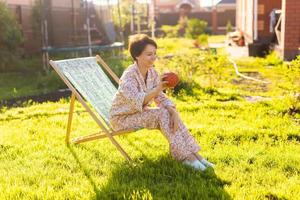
147 57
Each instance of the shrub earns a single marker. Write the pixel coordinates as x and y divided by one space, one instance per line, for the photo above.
202 40
273 59
182 24
195 27
51 81
170 31
36 17
295 64
294 68
228 27
10 39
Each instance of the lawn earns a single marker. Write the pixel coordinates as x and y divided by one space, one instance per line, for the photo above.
254 144
217 39
14 84
34 82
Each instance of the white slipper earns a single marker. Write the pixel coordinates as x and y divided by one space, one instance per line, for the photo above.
206 163
196 164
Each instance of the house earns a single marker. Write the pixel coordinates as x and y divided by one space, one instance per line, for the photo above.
275 23
223 13
217 17
172 6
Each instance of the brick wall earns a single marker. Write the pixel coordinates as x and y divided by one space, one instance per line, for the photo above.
264 9
225 16
245 18
291 26
63 30
222 18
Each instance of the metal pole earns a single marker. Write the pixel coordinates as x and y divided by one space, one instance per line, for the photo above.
88 27
41 8
74 38
44 35
46 43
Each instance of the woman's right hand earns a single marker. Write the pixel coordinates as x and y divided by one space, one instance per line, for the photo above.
162 84
155 91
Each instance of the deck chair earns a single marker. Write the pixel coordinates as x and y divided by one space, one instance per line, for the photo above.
90 85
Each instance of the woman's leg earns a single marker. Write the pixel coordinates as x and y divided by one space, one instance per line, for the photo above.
191 157
182 144
198 156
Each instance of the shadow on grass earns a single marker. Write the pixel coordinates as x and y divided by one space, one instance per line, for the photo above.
198 92
162 178
85 171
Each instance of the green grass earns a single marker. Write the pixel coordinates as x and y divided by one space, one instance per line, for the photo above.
20 84
14 85
255 146
216 38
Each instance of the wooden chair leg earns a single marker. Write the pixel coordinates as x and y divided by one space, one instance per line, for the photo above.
123 152
71 111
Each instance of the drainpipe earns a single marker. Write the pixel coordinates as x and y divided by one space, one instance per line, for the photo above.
255 20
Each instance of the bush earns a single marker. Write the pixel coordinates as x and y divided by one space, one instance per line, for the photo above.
170 31
195 27
10 39
228 27
182 24
51 81
295 64
202 40
36 17
273 59
294 68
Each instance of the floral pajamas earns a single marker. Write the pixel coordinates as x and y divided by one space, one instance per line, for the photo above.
128 111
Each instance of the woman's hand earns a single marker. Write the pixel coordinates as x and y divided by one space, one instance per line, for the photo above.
155 91
162 84
174 118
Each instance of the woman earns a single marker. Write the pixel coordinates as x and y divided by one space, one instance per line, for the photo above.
138 87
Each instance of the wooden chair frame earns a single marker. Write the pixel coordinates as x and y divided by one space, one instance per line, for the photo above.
105 132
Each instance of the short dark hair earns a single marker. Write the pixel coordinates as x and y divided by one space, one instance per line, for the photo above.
137 44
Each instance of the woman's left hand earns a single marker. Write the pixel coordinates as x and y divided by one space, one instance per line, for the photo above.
174 119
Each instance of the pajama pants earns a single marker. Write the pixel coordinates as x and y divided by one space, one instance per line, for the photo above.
182 144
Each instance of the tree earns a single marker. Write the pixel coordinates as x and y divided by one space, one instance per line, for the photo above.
121 15
36 18
10 38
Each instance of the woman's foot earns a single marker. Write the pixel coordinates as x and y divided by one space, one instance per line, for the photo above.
196 164
206 163
203 161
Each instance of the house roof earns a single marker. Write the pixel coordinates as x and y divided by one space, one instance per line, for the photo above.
227 2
